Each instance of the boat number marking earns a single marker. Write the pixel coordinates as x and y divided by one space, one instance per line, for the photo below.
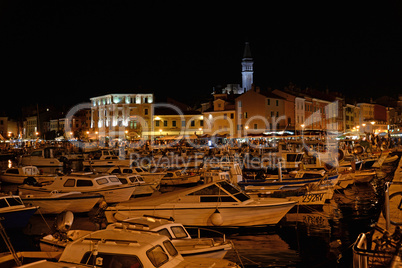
312 197
314 220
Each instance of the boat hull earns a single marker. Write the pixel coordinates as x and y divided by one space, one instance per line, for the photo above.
17 218
201 215
76 203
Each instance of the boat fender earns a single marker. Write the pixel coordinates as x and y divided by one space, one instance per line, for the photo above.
216 218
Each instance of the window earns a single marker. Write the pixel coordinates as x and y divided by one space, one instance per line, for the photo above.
239 104
173 123
255 126
179 232
183 123
116 171
14 201
217 199
112 260
225 116
36 153
157 123
201 123
157 256
268 101
165 232
277 102
245 114
231 115
102 181
146 111
170 248
192 123
69 183
127 170
12 171
3 203
84 183
165 123
113 179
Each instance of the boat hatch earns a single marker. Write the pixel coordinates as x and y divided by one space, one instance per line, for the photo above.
10 202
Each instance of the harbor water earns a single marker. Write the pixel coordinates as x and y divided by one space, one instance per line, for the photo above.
305 237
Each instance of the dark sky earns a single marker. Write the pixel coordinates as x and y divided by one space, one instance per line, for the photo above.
64 52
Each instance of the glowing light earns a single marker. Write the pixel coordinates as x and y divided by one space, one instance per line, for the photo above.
372 122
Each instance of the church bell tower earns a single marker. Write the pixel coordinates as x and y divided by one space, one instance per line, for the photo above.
247 68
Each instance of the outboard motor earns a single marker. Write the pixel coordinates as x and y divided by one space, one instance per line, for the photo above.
63 222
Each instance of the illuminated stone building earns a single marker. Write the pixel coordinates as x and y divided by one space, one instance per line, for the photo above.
121 115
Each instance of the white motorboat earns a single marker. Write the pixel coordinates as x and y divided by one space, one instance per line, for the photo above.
17 175
109 186
180 177
181 239
214 204
126 247
46 159
149 177
55 202
103 160
14 213
141 187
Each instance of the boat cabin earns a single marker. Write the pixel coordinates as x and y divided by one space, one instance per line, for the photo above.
27 170
161 225
122 248
80 182
10 202
103 155
47 152
132 179
125 170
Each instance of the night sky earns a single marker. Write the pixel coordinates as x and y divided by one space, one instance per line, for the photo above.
80 49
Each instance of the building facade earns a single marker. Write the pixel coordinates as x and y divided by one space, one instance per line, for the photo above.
121 115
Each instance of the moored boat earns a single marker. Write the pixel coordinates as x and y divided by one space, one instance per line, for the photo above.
109 186
127 248
18 175
214 204
14 213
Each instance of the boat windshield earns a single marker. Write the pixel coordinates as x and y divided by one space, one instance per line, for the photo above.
234 191
157 256
10 202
